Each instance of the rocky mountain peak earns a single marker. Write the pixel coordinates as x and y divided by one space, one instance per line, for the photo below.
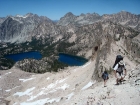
82 19
96 14
69 14
29 14
67 19
124 12
26 15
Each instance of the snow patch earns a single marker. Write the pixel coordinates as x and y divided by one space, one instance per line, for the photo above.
20 16
70 95
11 89
52 91
27 92
38 102
44 88
52 85
48 88
41 101
41 93
62 80
24 80
48 78
33 97
8 73
8 90
17 20
88 85
64 86
53 100
15 87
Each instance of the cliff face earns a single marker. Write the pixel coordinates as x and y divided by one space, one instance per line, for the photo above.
10 29
19 28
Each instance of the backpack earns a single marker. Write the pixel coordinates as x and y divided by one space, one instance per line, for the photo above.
118 59
120 68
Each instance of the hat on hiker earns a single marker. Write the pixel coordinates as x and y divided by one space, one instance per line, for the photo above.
121 62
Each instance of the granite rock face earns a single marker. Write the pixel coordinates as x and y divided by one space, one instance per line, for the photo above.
19 28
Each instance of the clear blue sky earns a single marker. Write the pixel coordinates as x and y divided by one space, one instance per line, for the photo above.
55 9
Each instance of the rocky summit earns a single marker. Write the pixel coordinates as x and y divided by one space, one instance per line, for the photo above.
47 81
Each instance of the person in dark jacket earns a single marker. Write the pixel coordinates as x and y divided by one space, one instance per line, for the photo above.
105 77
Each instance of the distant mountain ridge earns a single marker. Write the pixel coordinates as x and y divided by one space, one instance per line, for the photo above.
123 17
21 28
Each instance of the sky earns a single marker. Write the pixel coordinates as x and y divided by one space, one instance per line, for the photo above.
55 9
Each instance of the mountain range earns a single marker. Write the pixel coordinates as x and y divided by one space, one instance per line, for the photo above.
21 28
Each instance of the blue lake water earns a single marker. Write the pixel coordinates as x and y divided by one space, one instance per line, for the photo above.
20 56
72 60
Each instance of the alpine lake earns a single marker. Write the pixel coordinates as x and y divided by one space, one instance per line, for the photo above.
72 60
25 55
68 59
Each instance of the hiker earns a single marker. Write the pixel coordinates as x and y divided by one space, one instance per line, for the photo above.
105 77
120 72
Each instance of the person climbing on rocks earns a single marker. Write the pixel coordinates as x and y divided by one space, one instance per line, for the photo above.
119 70
105 77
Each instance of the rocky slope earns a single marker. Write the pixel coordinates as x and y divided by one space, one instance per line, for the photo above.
74 85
